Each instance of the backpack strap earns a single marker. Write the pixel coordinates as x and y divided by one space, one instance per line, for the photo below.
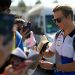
58 58
74 43
57 34
71 35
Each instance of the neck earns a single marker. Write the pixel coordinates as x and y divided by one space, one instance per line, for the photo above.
70 28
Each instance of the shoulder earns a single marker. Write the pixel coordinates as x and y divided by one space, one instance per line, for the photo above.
57 33
18 34
74 42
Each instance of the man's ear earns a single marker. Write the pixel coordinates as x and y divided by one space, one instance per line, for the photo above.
69 17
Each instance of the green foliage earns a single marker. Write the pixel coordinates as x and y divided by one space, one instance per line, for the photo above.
22 6
38 2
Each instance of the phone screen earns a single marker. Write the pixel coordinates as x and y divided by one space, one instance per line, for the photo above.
27 26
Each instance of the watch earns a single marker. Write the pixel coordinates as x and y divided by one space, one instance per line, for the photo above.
54 66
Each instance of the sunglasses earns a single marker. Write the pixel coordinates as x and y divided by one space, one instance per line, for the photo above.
58 20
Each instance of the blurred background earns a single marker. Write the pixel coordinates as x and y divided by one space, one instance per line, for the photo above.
39 13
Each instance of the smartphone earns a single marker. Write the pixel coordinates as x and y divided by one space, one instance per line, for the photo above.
44 47
27 26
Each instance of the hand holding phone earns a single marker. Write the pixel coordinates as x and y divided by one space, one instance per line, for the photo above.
23 65
20 66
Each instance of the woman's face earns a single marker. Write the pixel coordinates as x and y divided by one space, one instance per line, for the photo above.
5 49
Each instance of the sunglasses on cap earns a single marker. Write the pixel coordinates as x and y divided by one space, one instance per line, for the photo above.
58 20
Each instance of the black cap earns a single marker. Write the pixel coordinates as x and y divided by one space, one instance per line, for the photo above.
5 4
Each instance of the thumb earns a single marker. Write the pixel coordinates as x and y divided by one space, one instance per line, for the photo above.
8 70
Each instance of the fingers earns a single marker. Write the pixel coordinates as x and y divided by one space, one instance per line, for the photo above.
8 70
23 65
28 62
45 64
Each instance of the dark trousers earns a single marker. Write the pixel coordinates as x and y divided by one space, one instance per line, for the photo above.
40 71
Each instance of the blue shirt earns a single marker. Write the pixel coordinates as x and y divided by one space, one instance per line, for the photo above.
19 42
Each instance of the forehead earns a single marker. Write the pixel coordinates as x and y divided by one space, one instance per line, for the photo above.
58 14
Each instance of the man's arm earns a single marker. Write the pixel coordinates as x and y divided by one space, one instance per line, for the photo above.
66 67
59 67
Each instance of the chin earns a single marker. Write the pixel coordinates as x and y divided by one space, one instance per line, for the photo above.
60 28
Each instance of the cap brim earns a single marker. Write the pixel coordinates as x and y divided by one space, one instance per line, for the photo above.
19 53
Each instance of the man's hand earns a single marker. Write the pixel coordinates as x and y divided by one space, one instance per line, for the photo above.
10 71
45 64
19 70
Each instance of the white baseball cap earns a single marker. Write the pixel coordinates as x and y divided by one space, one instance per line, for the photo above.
18 52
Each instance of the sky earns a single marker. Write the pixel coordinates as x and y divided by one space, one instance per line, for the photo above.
32 2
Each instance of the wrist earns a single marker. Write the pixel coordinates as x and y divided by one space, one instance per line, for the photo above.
54 66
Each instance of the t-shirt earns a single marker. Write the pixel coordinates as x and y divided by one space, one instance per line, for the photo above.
19 42
64 48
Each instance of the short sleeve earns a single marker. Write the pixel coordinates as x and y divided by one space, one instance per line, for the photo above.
74 56
19 42
74 47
